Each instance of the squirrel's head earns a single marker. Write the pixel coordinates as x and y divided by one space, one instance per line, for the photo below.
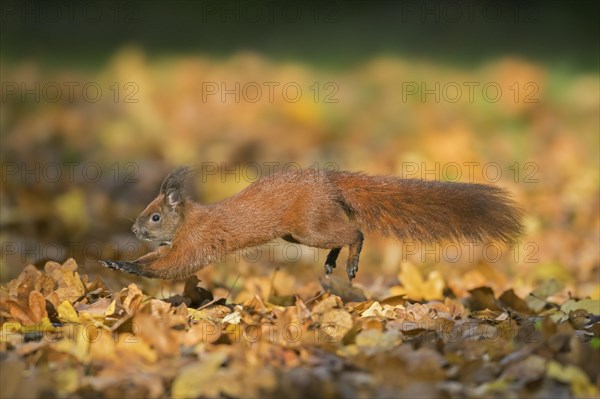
162 217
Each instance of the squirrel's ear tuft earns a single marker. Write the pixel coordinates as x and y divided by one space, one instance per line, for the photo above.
173 185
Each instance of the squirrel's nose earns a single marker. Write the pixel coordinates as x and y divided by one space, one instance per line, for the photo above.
134 229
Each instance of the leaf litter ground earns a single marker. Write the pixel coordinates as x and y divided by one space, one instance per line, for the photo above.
64 335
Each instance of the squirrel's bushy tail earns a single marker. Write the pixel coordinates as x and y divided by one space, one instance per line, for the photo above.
429 210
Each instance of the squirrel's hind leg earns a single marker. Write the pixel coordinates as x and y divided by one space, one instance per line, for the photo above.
354 241
353 255
330 262
331 231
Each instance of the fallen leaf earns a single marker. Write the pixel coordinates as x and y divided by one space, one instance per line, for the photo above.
195 379
76 344
482 298
131 346
510 300
416 287
548 288
336 323
575 377
67 313
232 318
591 306
202 331
385 311
374 341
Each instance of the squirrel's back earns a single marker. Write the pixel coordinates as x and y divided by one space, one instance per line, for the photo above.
420 210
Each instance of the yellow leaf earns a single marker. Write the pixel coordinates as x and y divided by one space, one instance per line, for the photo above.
72 281
111 308
336 323
43 326
194 380
589 305
375 341
136 347
213 313
548 288
67 313
67 380
77 345
11 332
376 310
573 375
134 298
415 287
348 351
103 347
488 388
551 271
596 293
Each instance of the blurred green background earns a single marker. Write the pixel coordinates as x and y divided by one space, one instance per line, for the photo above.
101 99
333 33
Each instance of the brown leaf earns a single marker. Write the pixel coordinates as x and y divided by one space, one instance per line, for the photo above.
51 266
37 306
343 289
198 295
96 286
326 304
70 286
54 299
19 312
255 304
45 284
157 333
336 323
510 300
530 369
394 300
202 331
95 309
25 283
483 298
302 311
133 299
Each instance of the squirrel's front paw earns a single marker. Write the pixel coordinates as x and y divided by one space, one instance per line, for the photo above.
120 265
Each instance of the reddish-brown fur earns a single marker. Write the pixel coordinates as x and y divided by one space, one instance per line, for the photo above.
318 209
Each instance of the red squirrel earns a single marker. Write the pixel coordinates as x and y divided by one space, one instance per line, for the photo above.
322 209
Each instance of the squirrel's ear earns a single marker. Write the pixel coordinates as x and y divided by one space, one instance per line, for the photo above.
173 185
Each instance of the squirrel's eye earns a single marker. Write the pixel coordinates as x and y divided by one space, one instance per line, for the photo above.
155 217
